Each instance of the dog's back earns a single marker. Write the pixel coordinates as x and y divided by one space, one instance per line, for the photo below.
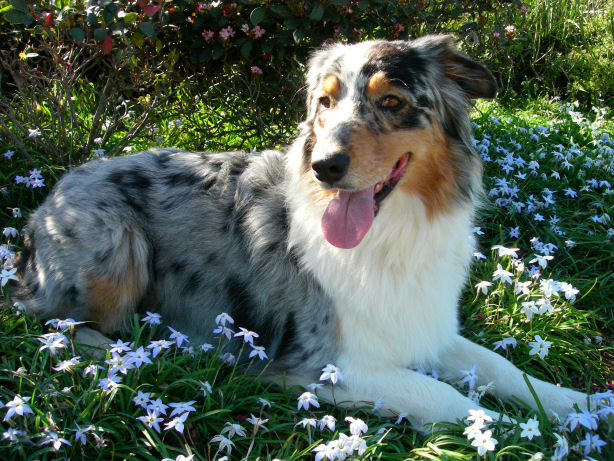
185 234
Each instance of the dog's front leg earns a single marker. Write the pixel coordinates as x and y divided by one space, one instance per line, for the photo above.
425 399
508 380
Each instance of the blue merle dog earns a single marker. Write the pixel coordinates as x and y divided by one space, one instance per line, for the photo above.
350 247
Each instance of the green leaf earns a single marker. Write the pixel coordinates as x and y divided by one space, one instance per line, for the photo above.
317 12
77 34
298 35
246 48
217 52
100 35
20 5
363 5
131 18
280 10
292 23
147 28
257 15
18 17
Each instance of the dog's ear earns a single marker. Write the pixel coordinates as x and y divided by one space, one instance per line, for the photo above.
474 78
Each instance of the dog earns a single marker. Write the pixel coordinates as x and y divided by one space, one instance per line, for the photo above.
350 247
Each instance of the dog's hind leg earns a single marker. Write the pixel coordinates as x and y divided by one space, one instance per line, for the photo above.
97 270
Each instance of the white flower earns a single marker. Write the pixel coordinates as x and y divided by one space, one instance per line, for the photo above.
12 434
17 406
157 346
178 337
257 422
139 357
8 274
264 402
157 406
35 133
225 443
529 309
152 420
258 351
592 442
484 442
306 399
54 439
182 407
307 422
119 364
539 347
80 433
109 383
327 421
53 341
234 429
206 347
479 417
503 251
357 426
205 387
142 399
10 232
224 330
67 365
522 287
223 318
119 347
503 275
505 343
176 423
483 286
530 429
326 452
542 260
331 372
152 318
248 336
561 447
469 377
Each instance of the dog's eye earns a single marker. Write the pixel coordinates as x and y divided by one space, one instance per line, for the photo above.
325 102
389 102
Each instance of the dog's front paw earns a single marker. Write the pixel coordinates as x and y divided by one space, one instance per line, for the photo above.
562 400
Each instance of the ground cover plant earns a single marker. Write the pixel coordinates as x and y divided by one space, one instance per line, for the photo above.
541 292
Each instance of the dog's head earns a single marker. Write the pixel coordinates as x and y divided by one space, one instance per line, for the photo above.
389 118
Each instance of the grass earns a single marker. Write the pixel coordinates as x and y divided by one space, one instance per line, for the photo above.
580 332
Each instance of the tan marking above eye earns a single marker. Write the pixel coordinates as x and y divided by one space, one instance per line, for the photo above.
331 86
378 86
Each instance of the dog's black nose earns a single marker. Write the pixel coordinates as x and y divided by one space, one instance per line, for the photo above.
332 168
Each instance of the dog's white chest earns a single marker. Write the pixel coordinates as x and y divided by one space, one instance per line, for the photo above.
396 294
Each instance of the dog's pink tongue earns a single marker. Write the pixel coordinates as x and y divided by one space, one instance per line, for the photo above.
348 217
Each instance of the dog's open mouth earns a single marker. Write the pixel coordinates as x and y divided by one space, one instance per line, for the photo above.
349 214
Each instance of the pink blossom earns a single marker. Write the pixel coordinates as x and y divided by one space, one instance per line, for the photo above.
245 28
524 9
208 34
497 34
256 70
398 28
509 31
258 32
226 33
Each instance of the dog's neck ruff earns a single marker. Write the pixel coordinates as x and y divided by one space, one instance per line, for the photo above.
349 215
